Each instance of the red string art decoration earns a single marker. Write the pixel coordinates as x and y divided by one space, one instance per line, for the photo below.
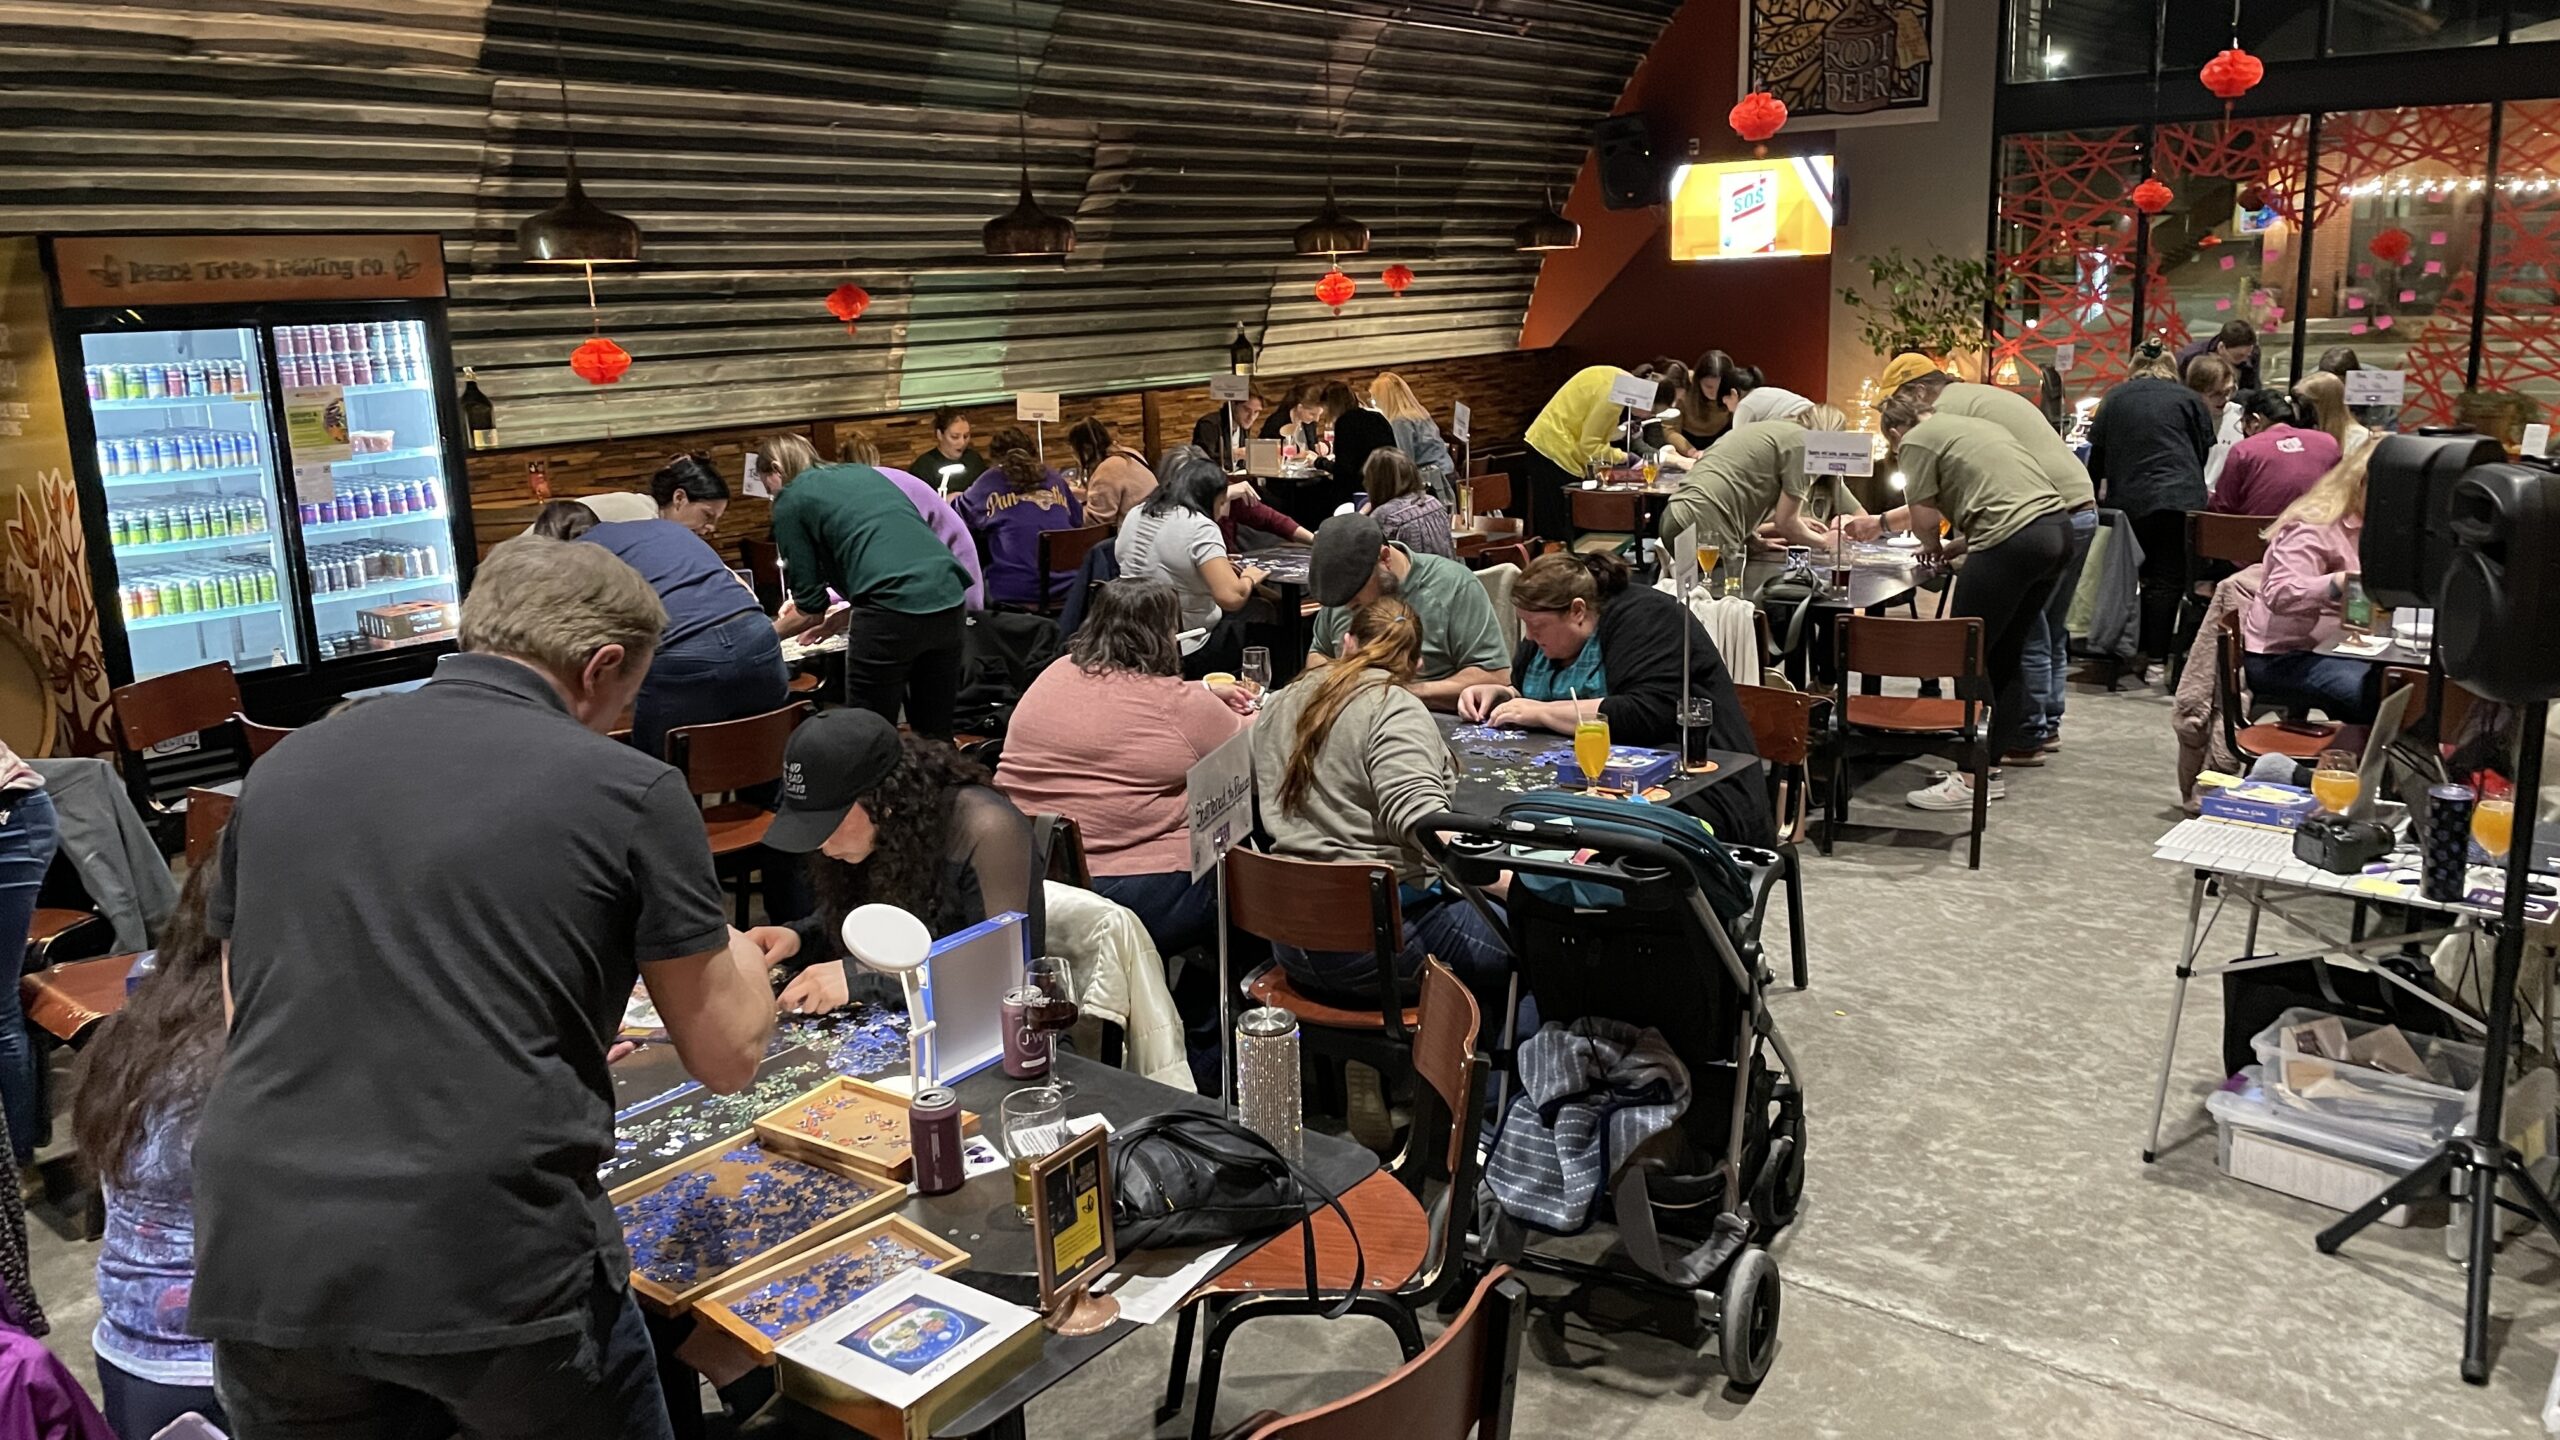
846 302
1397 279
1335 290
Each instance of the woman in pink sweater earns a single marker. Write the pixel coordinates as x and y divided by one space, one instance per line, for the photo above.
1106 736
2313 556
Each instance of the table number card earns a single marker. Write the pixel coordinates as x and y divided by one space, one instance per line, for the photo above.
1839 452
2376 387
1039 405
1634 392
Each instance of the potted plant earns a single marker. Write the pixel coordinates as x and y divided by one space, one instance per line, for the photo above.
1932 304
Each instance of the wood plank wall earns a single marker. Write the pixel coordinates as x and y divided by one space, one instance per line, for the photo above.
1504 392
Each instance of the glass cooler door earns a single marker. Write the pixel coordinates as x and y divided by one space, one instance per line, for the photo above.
378 550
189 468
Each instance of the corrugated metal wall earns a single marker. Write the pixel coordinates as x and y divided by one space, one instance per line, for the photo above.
772 149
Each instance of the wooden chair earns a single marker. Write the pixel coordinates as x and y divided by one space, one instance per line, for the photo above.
1389 1222
2457 701
1462 1386
1782 731
198 701
259 738
209 808
66 1001
2300 739
2217 545
57 936
1604 521
762 560
1062 552
1491 492
1516 555
1315 905
1900 724
729 756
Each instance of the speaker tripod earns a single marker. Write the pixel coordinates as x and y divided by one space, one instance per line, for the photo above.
2484 1157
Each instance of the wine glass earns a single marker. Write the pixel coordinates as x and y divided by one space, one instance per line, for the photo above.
1056 1011
1709 556
2493 824
1256 669
1029 1124
1591 749
2334 781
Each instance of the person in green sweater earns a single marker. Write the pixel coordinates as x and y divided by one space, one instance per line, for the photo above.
1346 759
846 528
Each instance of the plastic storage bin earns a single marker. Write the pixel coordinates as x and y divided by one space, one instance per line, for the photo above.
2412 1113
2293 1154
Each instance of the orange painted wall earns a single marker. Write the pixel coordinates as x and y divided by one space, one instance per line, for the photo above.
1620 299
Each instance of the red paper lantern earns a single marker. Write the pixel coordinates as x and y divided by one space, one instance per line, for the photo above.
1397 279
600 361
2393 246
1335 289
2151 197
2232 74
2252 198
847 302
1758 116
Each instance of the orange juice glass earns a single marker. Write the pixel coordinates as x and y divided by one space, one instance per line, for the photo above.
1591 748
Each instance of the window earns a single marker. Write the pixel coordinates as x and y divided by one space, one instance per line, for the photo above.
2361 27
2227 247
2075 39
2065 244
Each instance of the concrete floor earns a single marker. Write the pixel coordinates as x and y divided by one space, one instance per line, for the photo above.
1982 1251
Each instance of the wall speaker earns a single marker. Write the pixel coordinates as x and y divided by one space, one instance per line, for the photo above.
1631 175
2408 543
2500 605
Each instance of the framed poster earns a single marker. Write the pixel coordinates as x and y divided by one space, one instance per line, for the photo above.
1072 1239
1838 63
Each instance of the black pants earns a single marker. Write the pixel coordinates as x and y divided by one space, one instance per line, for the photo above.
894 661
1220 654
141 1408
2006 587
598 1383
2163 536
1550 513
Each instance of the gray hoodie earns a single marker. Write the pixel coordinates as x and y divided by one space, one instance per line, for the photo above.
1382 767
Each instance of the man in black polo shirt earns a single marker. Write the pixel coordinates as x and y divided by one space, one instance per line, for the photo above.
434 907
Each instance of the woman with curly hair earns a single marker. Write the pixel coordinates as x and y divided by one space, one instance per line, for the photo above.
143 1080
898 820
1008 507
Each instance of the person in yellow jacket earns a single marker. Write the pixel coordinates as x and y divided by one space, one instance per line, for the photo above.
1579 425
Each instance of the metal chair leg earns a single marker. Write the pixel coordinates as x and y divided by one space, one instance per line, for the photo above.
1794 858
1178 1374
1981 800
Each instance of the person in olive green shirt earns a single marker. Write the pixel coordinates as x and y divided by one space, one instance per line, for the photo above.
1754 474
1463 641
849 529
1973 476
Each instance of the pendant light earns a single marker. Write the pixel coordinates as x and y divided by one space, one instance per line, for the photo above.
1546 230
1026 230
1332 232
577 231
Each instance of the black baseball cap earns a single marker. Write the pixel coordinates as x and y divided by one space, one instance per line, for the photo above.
834 760
1346 555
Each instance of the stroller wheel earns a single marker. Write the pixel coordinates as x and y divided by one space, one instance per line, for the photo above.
1778 1193
1747 1323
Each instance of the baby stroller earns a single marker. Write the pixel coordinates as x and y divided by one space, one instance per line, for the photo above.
1635 913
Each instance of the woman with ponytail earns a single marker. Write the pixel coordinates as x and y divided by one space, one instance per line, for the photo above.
1346 759
1599 645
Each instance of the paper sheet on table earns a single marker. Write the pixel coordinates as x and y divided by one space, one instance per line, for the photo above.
1154 1284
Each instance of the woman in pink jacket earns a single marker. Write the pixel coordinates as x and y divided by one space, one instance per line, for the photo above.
2313 557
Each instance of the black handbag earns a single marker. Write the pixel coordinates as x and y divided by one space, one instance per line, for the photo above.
1189 1178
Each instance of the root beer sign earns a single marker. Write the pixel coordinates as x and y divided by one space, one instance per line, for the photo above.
1838 63
137 271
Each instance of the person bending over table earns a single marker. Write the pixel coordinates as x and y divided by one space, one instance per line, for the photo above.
1175 538
2313 557
1107 736
2276 462
1462 642
691 492
1417 435
855 448
1345 760
453 891
897 820
950 466
840 528
1595 636
1299 420
1117 479
2048 653
719 658
1009 508
1411 515
2014 532
1579 428
2147 447
1754 474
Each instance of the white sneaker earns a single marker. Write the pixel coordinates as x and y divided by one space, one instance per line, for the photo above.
1954 792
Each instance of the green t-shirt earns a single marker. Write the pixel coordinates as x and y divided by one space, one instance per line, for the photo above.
848 527
2026 424
1459 628
1971 472
1736 484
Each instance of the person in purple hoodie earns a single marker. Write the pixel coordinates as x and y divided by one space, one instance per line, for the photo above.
1008 507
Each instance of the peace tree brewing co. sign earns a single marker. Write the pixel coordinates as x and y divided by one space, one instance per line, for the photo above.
1838 63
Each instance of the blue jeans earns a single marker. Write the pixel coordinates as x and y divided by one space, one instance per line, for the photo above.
728 672
2347 691
2047 662
1444 926
27 844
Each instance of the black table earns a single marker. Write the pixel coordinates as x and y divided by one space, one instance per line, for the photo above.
1288 565
979 1218
2399 652
1495 767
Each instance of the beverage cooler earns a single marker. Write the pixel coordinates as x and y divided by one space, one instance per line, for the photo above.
270 456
